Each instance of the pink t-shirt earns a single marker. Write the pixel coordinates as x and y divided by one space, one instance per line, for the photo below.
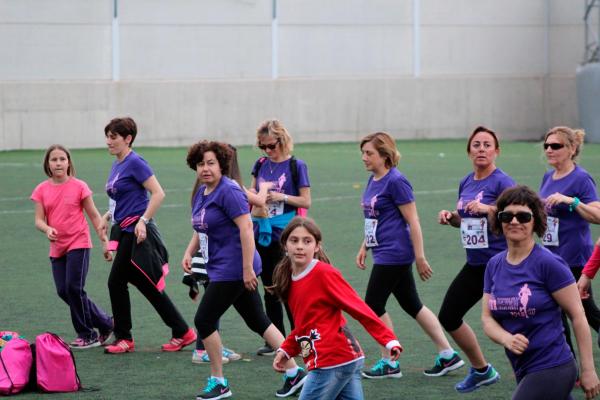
63 207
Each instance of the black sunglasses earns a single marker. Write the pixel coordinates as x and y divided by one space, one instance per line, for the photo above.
507 217
272 146
553 146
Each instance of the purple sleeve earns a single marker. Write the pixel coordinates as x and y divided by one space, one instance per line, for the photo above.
303 180
235 202
140 170
557 274
504 183
587 190
401 191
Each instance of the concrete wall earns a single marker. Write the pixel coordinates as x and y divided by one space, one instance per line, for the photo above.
191 69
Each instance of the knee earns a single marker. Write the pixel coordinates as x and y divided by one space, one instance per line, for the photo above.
203 327
449 323
62 293
73 291
376 306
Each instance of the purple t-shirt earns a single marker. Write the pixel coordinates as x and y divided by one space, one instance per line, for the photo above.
125 187
212 219
281 175
386 231
574 235
521 302
487 191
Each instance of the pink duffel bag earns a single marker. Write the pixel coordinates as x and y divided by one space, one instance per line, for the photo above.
15 365
56 370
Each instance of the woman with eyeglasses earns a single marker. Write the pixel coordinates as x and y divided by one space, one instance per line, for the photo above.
289 195
477 194
571 202
525 289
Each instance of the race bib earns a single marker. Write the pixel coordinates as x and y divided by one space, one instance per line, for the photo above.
371 232
112 205
275 208
550 237
203 240
473 233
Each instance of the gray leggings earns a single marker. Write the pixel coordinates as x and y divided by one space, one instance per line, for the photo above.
535 385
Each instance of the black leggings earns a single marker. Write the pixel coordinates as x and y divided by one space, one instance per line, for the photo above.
553 383
463 293
270 257
218 297
122 273
396 279
592 313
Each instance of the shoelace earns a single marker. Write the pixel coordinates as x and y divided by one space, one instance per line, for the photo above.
212 383
379 366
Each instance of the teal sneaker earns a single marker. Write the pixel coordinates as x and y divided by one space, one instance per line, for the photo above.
215 390
443 366
382 369
475 380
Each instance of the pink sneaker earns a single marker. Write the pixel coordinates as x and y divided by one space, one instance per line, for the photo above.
120 346
176 344
81 343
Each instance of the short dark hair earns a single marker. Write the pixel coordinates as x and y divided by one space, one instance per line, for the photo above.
123 127
521 195
222 151
46 164
480 129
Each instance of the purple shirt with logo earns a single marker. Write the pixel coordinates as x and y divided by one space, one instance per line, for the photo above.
213 215
521 302
125 187
280 174
487 191
380 201
574 235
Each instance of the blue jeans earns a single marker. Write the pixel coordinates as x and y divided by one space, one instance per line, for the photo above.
341 383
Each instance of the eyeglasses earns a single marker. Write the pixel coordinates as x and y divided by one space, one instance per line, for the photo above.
553 146
271 146
507 217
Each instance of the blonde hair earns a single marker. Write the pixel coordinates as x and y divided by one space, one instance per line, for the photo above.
385 145
573 138
274 128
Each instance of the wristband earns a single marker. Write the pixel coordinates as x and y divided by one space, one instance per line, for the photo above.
144 219
574 204
285 198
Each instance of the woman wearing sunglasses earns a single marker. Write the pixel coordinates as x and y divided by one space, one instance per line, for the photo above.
525 289
477 194
290 191
571 202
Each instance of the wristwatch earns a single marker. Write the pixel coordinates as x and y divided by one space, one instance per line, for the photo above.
285 198
144 219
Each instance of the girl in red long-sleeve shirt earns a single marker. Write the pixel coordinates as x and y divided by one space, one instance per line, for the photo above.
317 293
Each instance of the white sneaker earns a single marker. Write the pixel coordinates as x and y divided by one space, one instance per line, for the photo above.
201 357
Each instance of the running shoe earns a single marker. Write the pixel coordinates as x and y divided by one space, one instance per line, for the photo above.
176 344
120 346
382 369
81 343
231 355
444 365
475 380
215 390
292 385
266 350
201 357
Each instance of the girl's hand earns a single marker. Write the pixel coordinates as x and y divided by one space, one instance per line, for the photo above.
583 285
108 255
140 231
517 344
186 263
250 281
266 186
444 217
423 268
361 257
395 353
279 361
476 207
273 197
558 198
590 384
51 234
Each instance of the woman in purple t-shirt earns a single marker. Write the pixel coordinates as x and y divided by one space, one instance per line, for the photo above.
393 233
571 202
525 289
477 195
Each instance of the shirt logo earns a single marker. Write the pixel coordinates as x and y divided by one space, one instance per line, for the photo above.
516 305
370 208
307 346
111 184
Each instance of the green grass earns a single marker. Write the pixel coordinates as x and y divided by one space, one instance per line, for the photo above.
29 304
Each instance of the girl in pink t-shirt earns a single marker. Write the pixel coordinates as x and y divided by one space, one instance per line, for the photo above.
59 204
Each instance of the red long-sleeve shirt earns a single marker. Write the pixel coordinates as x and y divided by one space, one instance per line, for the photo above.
317 298
593 264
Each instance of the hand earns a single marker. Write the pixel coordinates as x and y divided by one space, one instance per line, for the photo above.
476 207
186 263
423 268
279 361
273 197
583 285
444 217
266 186
395 353
361 257
102 228
558 198
140 231
250 281
517 343
590 384
51 234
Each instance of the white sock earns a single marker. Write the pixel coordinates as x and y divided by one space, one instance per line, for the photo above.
292 372
220 379
390 362
447 353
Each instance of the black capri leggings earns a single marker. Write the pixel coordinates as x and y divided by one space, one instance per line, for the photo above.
464 292
396 279
219 296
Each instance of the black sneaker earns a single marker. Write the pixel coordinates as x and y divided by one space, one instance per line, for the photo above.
382 369
443 366
266 350
292 385
215 390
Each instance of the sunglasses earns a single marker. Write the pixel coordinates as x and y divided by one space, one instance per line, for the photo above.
271 146
507 217
553 146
